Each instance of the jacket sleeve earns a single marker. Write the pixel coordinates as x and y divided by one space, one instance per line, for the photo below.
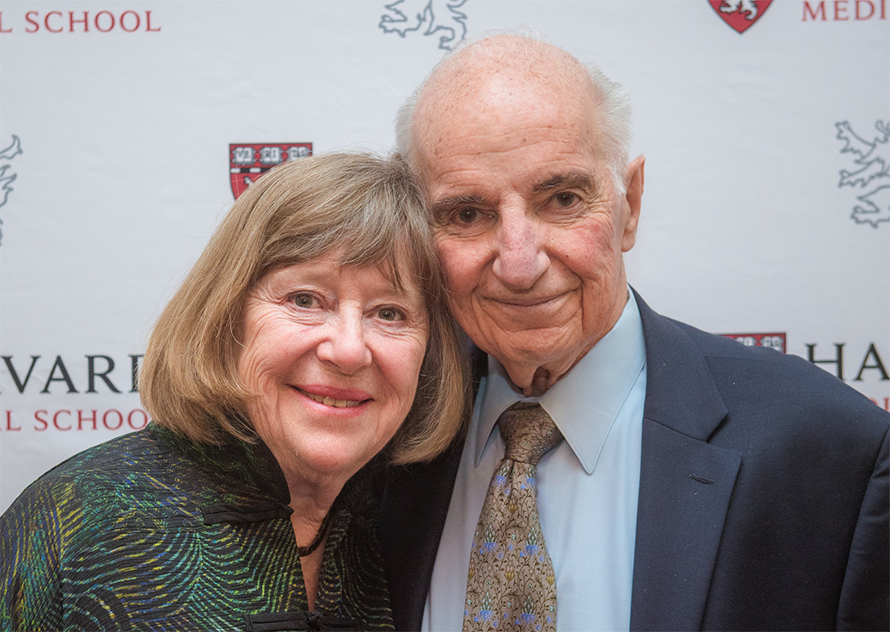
30 595
865 596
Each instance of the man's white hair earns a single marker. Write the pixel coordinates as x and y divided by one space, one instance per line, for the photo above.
613 110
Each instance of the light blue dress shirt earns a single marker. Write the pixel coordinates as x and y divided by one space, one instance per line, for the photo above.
588 486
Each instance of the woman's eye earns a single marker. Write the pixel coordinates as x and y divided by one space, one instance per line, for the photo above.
565 199
304 300
467 215
389 313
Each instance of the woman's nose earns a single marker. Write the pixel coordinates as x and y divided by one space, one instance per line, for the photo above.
346 347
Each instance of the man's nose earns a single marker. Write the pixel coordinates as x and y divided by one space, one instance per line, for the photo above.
521 257
346 346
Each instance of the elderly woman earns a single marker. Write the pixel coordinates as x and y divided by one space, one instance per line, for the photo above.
310 336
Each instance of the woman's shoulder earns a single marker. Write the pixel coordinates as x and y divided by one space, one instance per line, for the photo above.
153 456
152 474
135 446
98 459
57 514
91 477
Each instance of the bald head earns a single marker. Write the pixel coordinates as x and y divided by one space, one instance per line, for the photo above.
497 77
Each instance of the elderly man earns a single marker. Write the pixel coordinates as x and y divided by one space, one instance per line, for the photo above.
683 481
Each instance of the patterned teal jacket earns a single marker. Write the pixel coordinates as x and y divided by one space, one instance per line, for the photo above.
150 531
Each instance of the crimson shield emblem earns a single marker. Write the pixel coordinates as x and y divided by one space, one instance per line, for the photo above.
740 14
248 161
774 341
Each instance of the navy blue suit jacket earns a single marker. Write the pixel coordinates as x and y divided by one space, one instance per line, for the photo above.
763 496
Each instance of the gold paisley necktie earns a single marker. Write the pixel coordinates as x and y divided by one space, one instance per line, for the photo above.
511 584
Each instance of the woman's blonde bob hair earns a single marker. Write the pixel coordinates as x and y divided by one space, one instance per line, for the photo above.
366 208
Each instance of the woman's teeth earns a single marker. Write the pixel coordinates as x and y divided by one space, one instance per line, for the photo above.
330 401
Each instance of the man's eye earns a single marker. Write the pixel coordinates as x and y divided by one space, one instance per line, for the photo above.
389 313
467 215
565 199
304 300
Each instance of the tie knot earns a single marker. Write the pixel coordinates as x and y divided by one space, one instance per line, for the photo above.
528 432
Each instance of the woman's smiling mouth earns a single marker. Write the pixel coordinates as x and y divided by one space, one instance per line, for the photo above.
329 401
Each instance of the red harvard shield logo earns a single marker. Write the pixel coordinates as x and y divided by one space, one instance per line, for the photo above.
774 341
248 161
740 14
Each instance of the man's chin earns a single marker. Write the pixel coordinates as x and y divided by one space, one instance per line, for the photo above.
528 352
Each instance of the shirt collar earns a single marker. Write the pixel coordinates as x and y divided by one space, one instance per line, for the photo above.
585 403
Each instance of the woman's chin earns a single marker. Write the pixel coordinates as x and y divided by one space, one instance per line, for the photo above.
331 460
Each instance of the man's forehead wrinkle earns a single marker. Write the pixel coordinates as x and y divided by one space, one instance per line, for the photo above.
455 177
571 179
449 123
469 140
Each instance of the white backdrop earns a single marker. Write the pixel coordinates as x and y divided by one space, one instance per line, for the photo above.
116 120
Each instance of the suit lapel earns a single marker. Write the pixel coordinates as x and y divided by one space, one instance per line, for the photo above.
685 483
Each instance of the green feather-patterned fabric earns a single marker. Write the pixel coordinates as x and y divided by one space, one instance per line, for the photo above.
151 531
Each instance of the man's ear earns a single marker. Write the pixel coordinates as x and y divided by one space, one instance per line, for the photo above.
634 180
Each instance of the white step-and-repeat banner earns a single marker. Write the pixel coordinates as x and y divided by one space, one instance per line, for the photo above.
127 127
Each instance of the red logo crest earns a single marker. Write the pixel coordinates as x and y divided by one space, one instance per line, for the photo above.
774 341
248 161
740 14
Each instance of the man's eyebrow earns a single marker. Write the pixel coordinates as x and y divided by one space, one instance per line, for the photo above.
444 205
572 179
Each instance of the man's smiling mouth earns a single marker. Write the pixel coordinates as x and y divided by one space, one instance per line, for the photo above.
527 302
